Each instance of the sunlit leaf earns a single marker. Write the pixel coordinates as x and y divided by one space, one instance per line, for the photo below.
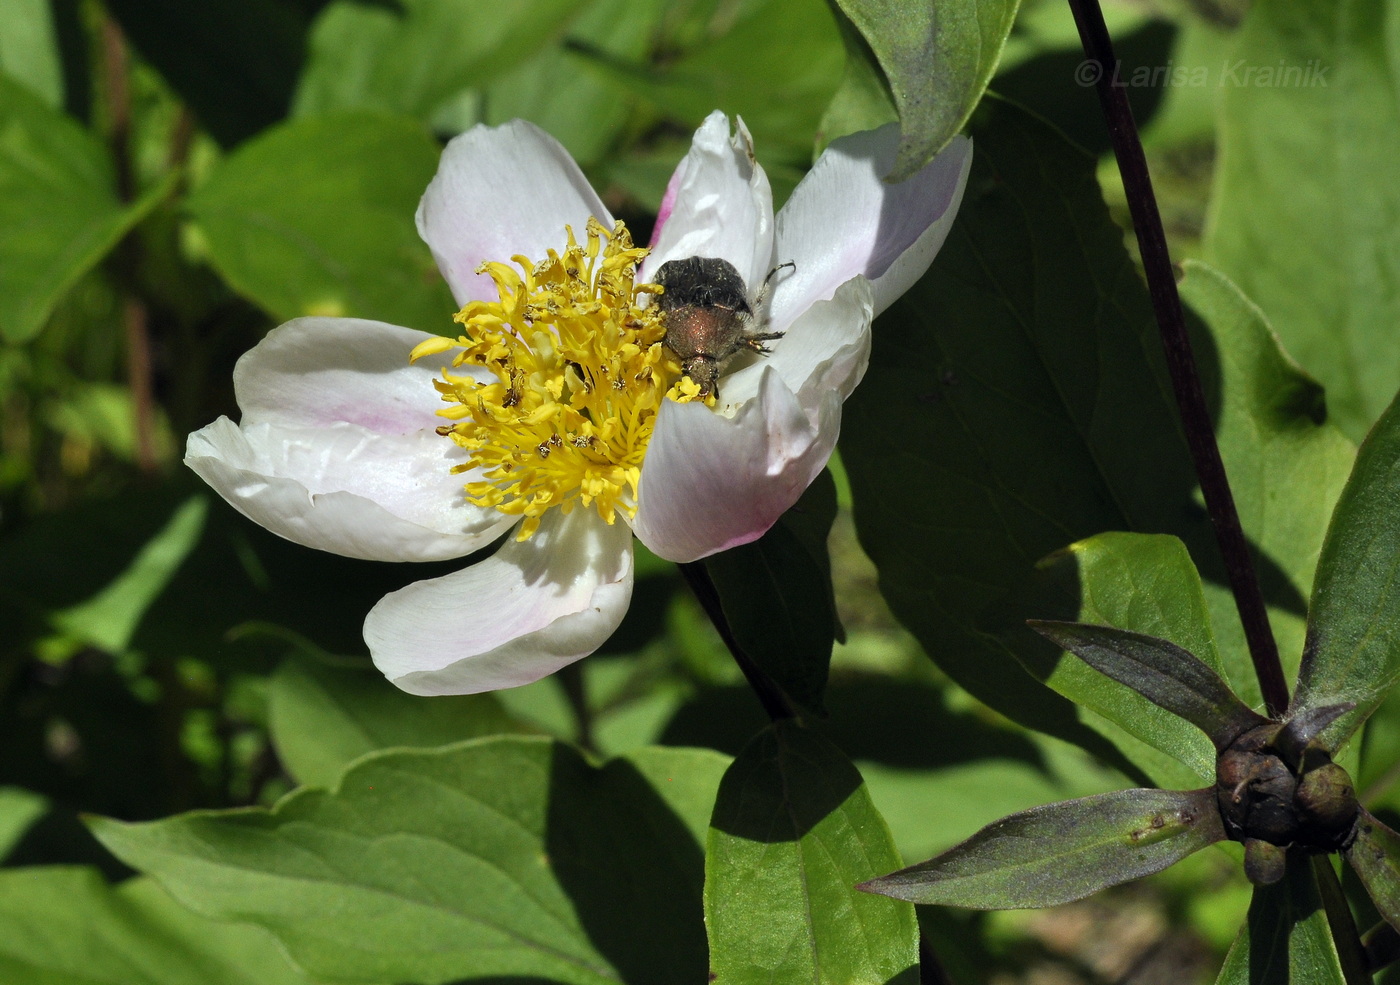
1062 852
316 218
793 831
67 926
59 211
495 857
1353 648
1303 216
411 56
1146 583
323 716
937 60
1285 940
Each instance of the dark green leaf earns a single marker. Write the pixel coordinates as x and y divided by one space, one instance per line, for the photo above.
495 857
1353 648
316 218
411 56
66 926
234 61
566 90
1146 583
1162 672
938 59
1375 855
1062 852
793 831
59 212
777 595
1286 940
323 716
1322 210
1020 389
108 619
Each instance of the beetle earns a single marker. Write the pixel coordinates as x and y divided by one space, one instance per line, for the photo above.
710 317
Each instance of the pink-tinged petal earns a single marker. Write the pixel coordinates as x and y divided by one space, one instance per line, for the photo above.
721 205
843 220
826 350
345 489
315 372
516 617
712 482
501 192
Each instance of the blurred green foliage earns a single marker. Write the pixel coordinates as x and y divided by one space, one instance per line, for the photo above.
176 178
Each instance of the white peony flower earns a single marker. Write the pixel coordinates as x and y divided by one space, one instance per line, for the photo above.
559 410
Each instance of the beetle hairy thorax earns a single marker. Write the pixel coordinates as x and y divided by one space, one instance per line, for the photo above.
710 317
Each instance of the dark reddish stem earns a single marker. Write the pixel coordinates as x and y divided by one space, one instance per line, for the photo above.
116 84
1186 381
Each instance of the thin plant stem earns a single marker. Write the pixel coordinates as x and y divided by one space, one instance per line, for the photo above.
1181 363
135 323
774 701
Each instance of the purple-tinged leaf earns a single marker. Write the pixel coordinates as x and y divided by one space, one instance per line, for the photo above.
1062 852
1375 855
1161 672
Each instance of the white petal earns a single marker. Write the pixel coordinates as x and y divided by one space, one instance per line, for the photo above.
511 619
344 489
843 220
499 192
720 205
824 351
712 482
322 371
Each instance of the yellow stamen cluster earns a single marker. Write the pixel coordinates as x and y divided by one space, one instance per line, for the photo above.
580 373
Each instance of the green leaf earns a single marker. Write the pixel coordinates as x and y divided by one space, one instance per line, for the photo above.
776 65
1375 856
1020 388
567 90
19 809
323 716
411 56
1062 852
1353 648
793 831
1285 940
1324 69
1146 583
1287 466
66 926
777 595
59 212
1170 677
29 49
495 857
109 619
316 218
937 60
233 61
